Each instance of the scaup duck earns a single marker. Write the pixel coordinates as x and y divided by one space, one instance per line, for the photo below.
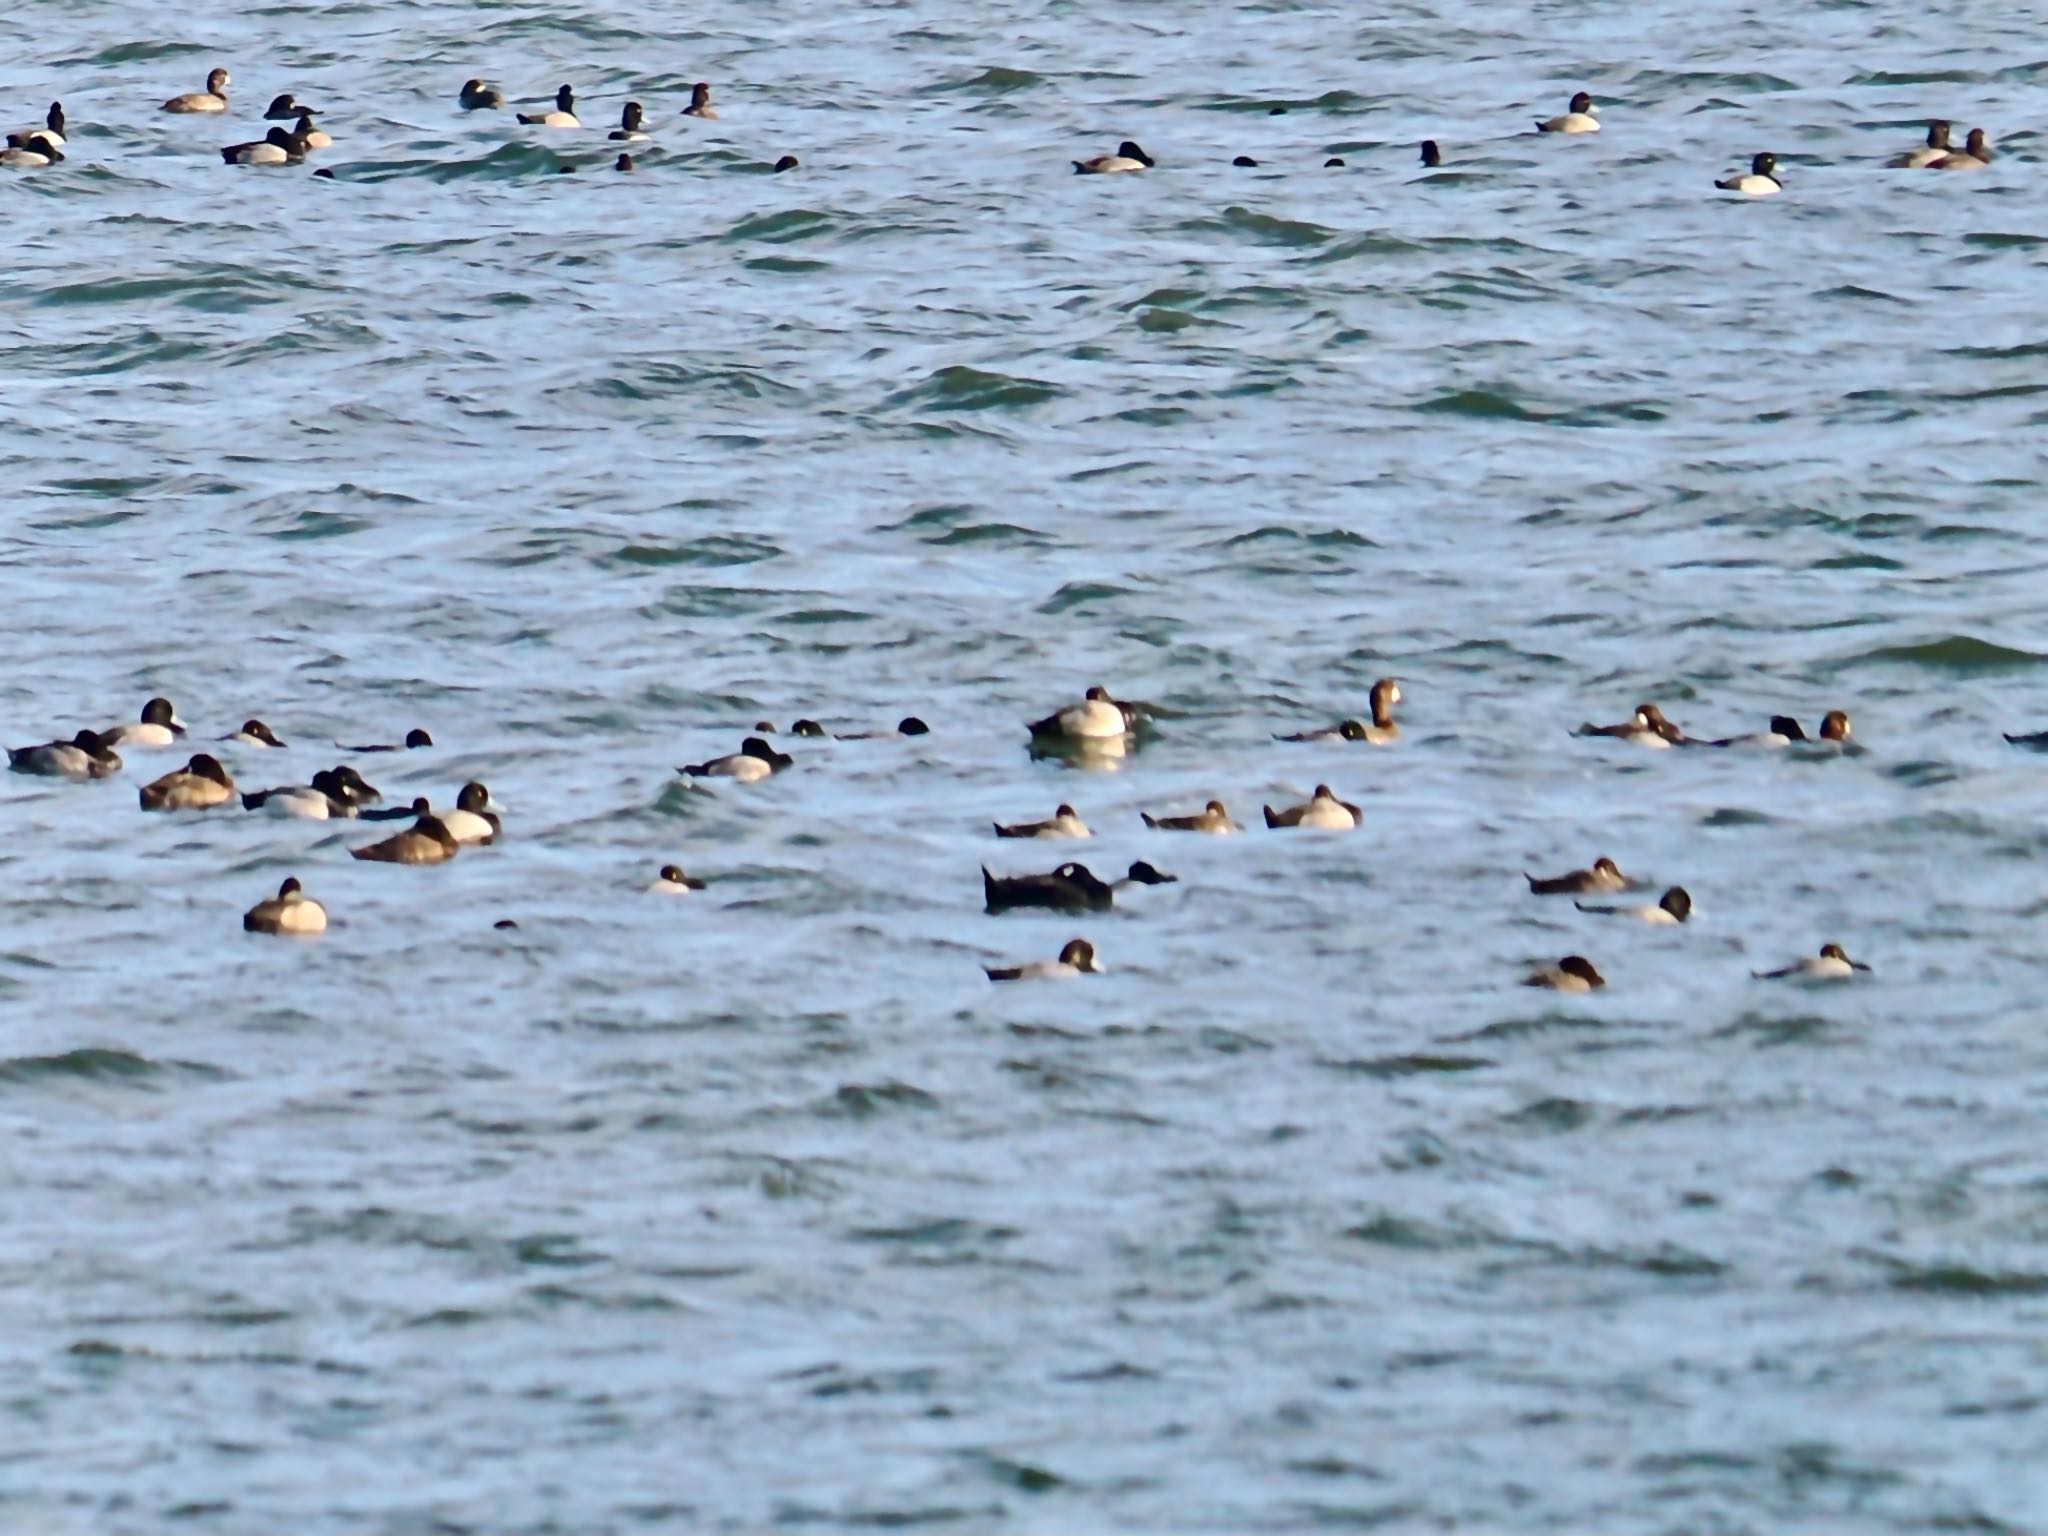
426 841
1128 157
1574 973
254 733
85 756
1577 118
275 148
1069 888
1936 146
158 726
1064 823
334 794
416 809
473 820
415 739
754 760
1831 964
673 882
1604 876
632 124
199 785
700 102
563 116
290 911
1647 727
1973 156
1077 958
32 152
478 97
1212 818
1761 180
909 725
1383 730
809 728
1323 811
1674 906
1097 717
1783 731
213 99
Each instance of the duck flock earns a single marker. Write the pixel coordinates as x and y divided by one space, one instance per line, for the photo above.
30 148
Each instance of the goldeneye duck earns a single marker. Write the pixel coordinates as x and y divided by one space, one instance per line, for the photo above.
632 124
472 820
1647 727
1574 973
1064 823
1761 180
254 733
84 756
1834 726
283 109
213 99
426 841
1973 156
1069 888
1577 118
158 727
1325 811
29 152
417 809
1386 693
290 911
1141 873
1831 964
1128 157
1674 906
275 148
414 740
808 728
200 784
754 760
1077 958
1097 717
478 97
673 882
909 725
1604 876
700 102
335 793
1937 145
1432 157
1211 818
564 115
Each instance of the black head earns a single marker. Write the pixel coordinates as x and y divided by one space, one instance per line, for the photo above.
1333 164
1064 810
505 925
1787 727
1352 730
423 810
280 137
205 765
1606 866
910 725
282 107
1581 102
672 873
324 173
260 731
355 784
1098 695
565 100
700 94
89 740
754 746
1142 873
786 163
474 797
158 712
1130 151
1974 144
1581 967
1078 953
1073 871
623 163
631 117
1764 164
1834 952
1246 161
417 738
290 888
54 118
1937 134
472 88
1276 111
807 728
1677 903
1431 155
1324 792
305 124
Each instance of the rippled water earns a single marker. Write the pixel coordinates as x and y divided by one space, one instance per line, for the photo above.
764 1209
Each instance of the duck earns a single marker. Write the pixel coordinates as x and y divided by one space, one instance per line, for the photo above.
1647 727
1831 964
1761 180
473 820
1604 876
1383 730
809 728
625 163
32 152
199 785
1576 118
1574 973
1937 145
426 841
1212 818
1674 906
1973 156
909 725
158 726
52 127
308 134
1432 157
1128 157
632 124
275 148
1097 717
786 163
563 116
700 102
334 794
1077 958
478 97
1069 888
85 756
1323 811
254 733
291 911
415 740
213 99
1063 823
283 109
673 882
1141 873
754 760
1784 730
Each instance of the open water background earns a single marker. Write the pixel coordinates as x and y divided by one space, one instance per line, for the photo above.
763 1210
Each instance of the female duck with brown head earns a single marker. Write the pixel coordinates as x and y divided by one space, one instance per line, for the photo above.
1574 973
1212 818
199 785
1077 958
213 99
426 841
1064 823
700 102
290 912
1973 156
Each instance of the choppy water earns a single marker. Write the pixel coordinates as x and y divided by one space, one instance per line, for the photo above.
764 1209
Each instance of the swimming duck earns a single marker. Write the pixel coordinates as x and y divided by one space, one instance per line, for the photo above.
1577 118
1761 180
1325 811
1784 730
673 882
52 127
1674 906
909 725
1069 888
564 115
754 760
807 728
32 152
632 124
85 756
414 740
473 820
1574 973
1647 727
1097 717
213 99
700 102
1604 876
478 97
1973 156
335 793
414 810
1064 823
283 109
290 911
159 726
1142 873
1432 157
254 733
309 135
426 841
275 148
1212 818
1936 146
1128 157
1386 693
1077 958
201 783
1831 964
